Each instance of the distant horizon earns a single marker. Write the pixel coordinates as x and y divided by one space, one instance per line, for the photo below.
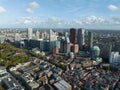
62 29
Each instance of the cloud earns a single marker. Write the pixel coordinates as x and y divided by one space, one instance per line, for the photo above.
31 7
115 20
77 22
27 22
89 20
29 10
55 21
34 5
113 7
93 19
59 22
2 9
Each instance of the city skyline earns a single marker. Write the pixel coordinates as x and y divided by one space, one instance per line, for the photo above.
60 14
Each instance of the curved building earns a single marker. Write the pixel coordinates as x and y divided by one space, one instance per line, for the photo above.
95 52
71 55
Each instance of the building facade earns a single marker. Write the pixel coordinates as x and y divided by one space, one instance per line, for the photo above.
114 57
80 37
73 35
29 33
90 40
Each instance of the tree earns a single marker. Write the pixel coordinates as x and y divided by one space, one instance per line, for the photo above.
1 88
11 59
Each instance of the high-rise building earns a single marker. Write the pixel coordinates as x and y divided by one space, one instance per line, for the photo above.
44 35
90 40
52 38
29 33
80 37
52 35
62 44
106 49
43 45
37 35
66 34
114 57
116 46
67 45
73 35
56 47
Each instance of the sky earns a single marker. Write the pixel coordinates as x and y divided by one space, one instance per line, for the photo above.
90 14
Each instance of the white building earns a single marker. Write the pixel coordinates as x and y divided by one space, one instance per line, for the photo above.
44 35
52 37
17 37
114 57
37 35
29 33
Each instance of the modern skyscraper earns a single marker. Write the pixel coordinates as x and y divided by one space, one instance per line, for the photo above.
106 49
52 38
62 44
66 34
114 57
44 35
67 45
52 35
116 46
37 35
73 35
80 37
90 40
56 47
29 33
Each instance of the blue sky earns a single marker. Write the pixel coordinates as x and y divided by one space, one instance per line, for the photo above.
93 14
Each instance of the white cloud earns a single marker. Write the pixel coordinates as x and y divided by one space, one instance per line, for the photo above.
57 22
115 20
33 4
54 22
93 19
29 10
2 9
54 19
89 20
77 22
27 22
32 18
31 7
113 7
